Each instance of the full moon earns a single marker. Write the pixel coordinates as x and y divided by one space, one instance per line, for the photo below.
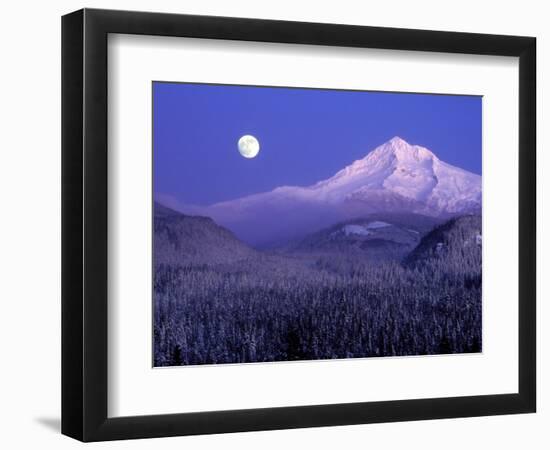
248 146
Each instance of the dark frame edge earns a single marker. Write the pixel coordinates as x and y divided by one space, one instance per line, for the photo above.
527 289
215 422
72 252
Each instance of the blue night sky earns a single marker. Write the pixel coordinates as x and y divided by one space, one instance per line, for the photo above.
305 135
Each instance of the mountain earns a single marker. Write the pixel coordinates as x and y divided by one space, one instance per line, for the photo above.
399 175
454 246
193 240
376 237
395 177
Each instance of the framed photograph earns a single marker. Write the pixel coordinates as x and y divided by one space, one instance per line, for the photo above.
273 224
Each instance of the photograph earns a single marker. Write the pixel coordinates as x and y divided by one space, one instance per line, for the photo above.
313 224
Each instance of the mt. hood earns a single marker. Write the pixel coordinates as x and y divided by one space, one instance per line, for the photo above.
394 177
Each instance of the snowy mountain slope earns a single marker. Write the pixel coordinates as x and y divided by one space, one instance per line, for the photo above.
193 240
373 238
454 246
394 177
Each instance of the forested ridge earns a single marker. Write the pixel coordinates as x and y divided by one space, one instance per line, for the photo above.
247 306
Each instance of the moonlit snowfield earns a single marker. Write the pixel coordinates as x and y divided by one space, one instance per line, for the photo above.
380 258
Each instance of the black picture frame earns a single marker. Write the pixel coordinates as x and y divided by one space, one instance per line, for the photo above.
84 224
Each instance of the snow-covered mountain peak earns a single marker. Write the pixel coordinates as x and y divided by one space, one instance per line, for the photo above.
396 165
398 141
394 153
401 151
394 177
